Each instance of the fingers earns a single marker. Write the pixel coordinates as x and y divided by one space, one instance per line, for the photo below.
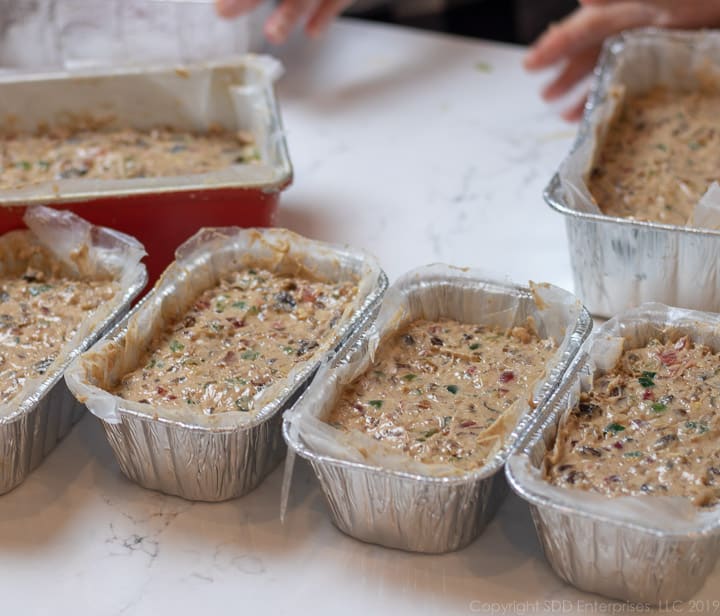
285 18
658 3
287 15
324 14
233 8
574 71
574 113
674 13
587 27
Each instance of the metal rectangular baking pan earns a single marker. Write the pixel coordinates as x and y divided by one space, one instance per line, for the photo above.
222 456
409 510
618 263
43 413
639 555
236 93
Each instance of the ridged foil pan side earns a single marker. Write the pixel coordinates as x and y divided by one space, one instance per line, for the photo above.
43 413
643 571
618 263
223 456
409 509
646 550
406 513
27 440
157 455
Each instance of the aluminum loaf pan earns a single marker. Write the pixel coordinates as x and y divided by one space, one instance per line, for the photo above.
617 262
400 503
225 455
44 411
646 549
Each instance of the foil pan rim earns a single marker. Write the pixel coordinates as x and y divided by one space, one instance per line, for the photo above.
554 198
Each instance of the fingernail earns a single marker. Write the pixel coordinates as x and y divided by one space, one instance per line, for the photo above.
572 115
275 33
314 32
226 7
549 93
529 60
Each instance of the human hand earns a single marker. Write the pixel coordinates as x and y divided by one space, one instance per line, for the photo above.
317 15
577 40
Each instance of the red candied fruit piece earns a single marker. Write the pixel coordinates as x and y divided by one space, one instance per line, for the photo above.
648 395
308 295
668 358
506 376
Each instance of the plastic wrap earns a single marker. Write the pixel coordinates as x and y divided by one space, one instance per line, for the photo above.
634 529
617 262
368 489
45 34
42 412
195 466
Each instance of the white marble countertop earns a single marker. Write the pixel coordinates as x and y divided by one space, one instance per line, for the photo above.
419 148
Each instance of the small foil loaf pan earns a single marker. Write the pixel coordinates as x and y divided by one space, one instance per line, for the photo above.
619 263
393 500
184 451
43 411
645 549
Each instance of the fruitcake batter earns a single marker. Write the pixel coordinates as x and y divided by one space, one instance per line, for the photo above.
436 388
649 426
237 339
